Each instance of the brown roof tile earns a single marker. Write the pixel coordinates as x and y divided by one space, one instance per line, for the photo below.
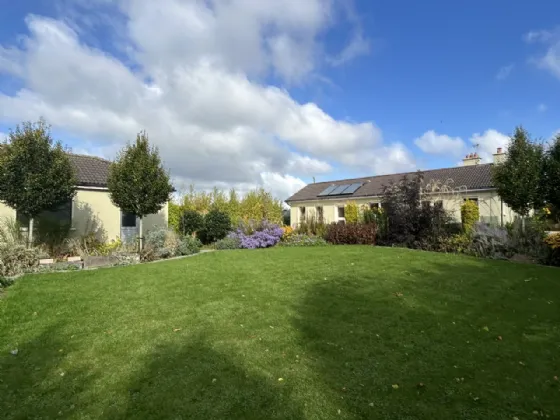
91 171
473 177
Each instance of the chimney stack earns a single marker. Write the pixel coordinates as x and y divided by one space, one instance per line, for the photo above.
471 159
499 156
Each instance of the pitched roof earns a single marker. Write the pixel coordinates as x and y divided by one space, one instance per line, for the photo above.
91 171
474 177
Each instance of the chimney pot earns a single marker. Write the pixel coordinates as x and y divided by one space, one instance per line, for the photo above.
499 150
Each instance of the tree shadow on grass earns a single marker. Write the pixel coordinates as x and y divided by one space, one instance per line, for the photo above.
196 381
436 340
38 383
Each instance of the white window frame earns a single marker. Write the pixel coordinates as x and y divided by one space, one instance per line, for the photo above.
338 218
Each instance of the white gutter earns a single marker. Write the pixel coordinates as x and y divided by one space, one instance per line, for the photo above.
83 187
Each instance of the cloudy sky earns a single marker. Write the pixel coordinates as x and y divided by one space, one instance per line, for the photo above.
275 92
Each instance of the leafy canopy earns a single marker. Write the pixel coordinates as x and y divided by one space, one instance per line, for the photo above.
35 172
137 182
518 179
551 174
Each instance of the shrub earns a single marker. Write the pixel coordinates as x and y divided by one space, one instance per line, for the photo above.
217 225
230 242
190 221
253 235
408 220
288 232
311 226
161 243
10 232
189 246
303 240
491 242
17 259
470 215
53 235
553 242
351 234
351 212
527 237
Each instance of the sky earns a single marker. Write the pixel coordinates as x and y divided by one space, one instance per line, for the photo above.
278 93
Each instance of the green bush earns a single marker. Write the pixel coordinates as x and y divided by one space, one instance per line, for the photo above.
228 243
303 240
190 222
189 246
470 215
312 227
17 259
351 212
217 225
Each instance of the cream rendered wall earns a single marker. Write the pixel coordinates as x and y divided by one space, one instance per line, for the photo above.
489 204
7 212
94 211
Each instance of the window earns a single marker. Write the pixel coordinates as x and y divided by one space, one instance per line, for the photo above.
319 211
438 203
475 199
374 206
426 204
341 212
128 220
60 215
302 213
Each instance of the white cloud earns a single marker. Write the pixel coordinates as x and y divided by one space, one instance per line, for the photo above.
440 144
357 46
488 142
504 72
550 59
189 79
542 108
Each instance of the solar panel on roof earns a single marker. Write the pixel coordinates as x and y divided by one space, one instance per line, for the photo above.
327 190
352 188
338 190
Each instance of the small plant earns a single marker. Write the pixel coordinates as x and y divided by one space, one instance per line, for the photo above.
553 242
311 226
303 240
190 222
351 212
161 243
53 236
470 215
189 246
10 232
230 242
17 259
217 225
351 234
288 232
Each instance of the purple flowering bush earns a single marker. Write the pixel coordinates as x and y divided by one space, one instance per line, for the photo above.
253 234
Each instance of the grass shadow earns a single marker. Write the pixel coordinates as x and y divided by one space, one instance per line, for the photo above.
196 381
435 340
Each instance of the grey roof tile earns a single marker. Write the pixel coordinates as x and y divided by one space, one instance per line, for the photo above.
472 177
91 171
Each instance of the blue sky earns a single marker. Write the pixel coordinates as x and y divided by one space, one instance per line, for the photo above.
274 93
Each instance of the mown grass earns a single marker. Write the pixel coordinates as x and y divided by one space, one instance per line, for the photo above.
319 333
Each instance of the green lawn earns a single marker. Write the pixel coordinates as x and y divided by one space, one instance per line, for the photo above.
318 333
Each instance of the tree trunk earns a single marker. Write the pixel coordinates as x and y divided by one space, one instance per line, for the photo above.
523 224
30 233
140 238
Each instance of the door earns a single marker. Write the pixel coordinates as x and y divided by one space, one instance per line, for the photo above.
129 227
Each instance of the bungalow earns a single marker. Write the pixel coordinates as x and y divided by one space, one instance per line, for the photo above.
91 210
450 186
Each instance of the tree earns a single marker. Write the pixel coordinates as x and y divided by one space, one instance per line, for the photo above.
518 179
35 172
551 175
190 222
138 183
